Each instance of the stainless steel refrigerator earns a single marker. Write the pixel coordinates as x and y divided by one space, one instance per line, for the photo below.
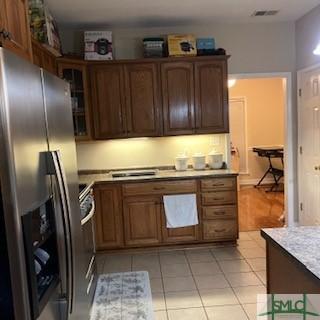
41 246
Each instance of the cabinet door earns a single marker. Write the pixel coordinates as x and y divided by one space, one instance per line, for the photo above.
108 101
211 97
108 221
142 100
178 97
76 74
142 221
14 19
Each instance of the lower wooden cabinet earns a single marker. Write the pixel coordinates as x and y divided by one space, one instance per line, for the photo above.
132 214
142 220
178 235
108 222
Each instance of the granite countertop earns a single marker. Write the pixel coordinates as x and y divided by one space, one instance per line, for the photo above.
160 174
300 242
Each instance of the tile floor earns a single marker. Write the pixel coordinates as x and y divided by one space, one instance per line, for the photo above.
203 283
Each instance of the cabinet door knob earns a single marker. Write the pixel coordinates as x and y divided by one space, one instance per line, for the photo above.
5 34
316 168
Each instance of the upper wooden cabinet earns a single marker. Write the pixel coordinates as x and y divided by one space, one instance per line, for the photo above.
211 97
14 27
142 99
178 97
75 72
159 97
43 58
108 101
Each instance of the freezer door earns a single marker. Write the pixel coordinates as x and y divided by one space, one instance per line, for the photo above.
23 142
62 142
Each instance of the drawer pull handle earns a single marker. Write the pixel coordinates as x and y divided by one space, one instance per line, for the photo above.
219 213
218 184
218 199
219 230
159 188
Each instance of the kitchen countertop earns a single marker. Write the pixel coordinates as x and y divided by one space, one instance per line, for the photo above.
161 174
302 243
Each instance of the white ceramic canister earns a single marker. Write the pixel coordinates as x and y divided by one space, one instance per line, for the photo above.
215 160
199 161
181 163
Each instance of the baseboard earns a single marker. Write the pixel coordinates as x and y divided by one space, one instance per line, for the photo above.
246 182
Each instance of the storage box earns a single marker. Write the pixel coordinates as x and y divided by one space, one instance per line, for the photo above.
153 47
205 46
182 45
98 45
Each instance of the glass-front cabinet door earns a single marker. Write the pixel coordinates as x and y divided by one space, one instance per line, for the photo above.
75 72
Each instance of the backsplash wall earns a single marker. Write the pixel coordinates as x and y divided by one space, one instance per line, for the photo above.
146 152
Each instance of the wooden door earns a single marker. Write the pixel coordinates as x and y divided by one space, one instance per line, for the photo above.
178 97
142 99
108 220
309 141
142 221
211 97
14 20
108 101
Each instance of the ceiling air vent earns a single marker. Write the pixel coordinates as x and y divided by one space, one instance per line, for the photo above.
263 13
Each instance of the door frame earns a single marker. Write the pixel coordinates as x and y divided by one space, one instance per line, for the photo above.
244 100
299 104
290 147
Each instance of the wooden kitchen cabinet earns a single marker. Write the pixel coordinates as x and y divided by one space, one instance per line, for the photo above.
75 72
178 235
14 27
108 101
142 220
142 100
43 58
211 97
178 97
108 221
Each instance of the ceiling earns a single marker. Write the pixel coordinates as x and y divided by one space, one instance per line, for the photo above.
117 13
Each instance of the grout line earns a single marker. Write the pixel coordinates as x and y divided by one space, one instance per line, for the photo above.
194 280
164 293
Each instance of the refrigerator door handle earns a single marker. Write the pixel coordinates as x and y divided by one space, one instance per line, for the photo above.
55 168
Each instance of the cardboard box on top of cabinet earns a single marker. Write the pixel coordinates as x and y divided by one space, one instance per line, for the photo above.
98 45
182 45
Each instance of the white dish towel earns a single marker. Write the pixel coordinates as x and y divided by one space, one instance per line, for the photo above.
181 210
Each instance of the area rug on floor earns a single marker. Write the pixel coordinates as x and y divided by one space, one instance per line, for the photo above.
123 296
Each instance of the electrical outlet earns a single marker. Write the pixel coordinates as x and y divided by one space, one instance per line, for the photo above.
215 141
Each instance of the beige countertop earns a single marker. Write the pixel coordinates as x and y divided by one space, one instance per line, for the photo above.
160 175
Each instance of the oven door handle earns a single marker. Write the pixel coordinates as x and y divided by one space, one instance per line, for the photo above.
55 168
89 215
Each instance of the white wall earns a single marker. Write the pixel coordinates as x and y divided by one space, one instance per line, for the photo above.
265 47
307 38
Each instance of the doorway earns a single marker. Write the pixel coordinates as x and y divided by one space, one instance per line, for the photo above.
258 110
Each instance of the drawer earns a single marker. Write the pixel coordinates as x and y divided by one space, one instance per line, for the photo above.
219 212
165 187
220 229
218 184
218 198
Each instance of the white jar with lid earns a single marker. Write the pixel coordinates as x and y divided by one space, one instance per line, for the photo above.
199 161
215 160
181 162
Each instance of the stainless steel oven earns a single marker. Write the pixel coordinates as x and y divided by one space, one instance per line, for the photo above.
87 207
